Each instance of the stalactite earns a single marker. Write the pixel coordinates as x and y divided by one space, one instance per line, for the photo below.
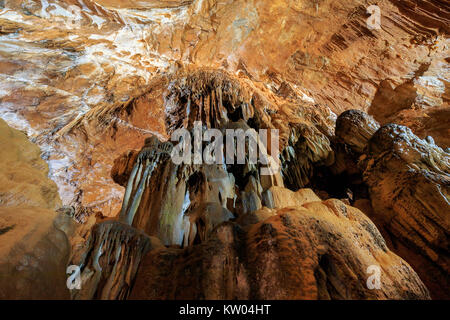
110 260
306 147
128 190
206 96
138 195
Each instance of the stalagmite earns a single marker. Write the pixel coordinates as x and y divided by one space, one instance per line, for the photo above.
355 128
409 186
126 197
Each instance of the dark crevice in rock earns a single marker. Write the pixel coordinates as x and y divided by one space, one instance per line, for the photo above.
6 229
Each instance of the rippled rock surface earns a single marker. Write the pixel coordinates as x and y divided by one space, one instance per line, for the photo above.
92 82
318 250
409 184
109 260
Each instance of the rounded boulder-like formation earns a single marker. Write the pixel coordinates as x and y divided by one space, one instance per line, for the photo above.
317 250
355 128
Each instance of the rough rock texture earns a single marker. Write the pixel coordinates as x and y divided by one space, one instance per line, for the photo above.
176 203
109 260
355 128
320 250
88 81
407 181
34 248
409 185
64 63
23 174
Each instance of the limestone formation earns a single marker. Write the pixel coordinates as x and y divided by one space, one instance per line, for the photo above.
307 147
355 128
409 185
88 81
34 245
169 201
109 260
358 113
318 250
23 174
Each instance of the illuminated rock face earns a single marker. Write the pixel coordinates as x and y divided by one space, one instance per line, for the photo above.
23 174
355 128
182 204
409 185
64 64
320 250
91 81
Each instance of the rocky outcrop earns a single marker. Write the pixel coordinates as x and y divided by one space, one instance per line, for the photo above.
88 81
409 185
109 260
23 174
34 247
320 250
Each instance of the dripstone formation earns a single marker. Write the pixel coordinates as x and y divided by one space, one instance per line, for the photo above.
97 98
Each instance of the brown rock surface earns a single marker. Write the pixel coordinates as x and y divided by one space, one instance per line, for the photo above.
355 128
409 185
320 250
34 248
90 80
175 203
23 174
282 197
33 254
109 260
64 63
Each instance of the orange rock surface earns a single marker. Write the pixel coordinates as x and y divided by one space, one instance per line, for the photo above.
89 82
320 250
63 62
